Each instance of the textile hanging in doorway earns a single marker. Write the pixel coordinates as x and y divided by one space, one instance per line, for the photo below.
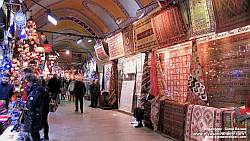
231 14
153 77
113 90
146 75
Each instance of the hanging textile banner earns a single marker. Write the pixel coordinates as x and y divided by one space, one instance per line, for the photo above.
225 69
175 65
116 49
202 17
127 94
231 14
113 88
144 36
100 52
168 27
107 75
128 40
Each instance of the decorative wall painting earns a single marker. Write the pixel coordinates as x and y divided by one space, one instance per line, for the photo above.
231 14
168 27
202 17
116 49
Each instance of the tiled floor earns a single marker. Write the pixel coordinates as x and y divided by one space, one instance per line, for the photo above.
96 125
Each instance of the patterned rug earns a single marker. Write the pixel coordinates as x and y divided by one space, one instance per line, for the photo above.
231 14
175 65
168 27
116 48
144 36
229 121
128 40
225 69
199 120
113 90
202 17
172 119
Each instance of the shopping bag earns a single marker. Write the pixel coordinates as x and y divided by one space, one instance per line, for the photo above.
53 105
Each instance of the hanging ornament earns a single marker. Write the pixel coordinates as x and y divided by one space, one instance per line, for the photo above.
6 64
20 19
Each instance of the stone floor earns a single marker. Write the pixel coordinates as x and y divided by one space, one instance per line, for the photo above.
96 125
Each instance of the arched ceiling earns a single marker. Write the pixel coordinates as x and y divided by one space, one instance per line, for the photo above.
86 17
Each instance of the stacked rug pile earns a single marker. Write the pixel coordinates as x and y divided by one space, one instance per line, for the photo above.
172 119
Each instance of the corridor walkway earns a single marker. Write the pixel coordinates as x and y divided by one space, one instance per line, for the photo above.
96 125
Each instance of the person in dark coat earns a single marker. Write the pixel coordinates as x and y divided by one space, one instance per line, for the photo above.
91 90
96 92
6 90
54 86
45 110
79 91
34 108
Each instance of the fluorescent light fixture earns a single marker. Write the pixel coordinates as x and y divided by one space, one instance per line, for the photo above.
79 41
52 18
67 52
89 40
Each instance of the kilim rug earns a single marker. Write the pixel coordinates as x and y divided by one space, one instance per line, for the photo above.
172 119
168 27
225 69
144 36
100 52
113 90
128 40
229 122
175 64
231 14
146 74
202 17
201 122
153 77
197 92
155 112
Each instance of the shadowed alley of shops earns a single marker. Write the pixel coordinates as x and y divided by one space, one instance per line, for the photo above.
96 125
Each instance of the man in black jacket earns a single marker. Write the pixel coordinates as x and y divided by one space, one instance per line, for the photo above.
79 91
6 90
34 108
54 85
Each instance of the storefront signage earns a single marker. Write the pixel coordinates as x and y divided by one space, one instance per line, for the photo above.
224 34
116 49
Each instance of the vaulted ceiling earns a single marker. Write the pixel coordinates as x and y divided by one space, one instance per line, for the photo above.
87 17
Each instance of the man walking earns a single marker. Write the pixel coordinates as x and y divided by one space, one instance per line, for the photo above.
79 91
96 92
54 88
